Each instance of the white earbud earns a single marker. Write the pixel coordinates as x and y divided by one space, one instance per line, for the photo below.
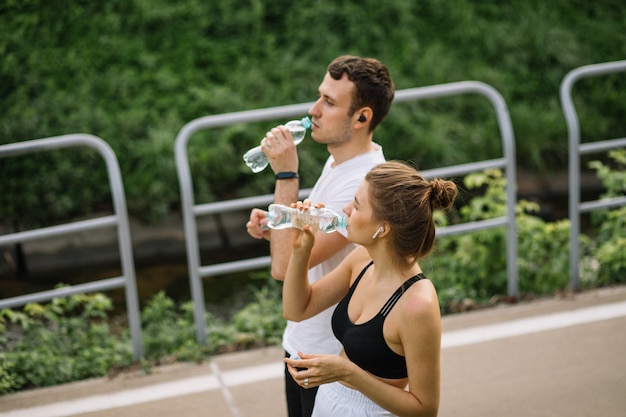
380 230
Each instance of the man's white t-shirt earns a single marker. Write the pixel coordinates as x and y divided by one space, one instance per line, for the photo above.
335 187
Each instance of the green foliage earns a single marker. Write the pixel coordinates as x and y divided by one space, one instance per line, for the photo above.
66 340
543 250
134 72
613 175
263 318
609 247
473 265
464 266
71 339
169 330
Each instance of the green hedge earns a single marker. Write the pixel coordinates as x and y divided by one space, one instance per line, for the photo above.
133 72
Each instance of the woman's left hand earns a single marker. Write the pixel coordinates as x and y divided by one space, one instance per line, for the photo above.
313 370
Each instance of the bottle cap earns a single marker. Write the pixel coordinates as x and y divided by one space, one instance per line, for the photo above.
306 122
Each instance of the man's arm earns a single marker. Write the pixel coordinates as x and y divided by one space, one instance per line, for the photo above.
285 192
280 149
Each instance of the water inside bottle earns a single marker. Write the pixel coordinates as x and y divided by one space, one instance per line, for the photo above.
255 159
329 222
280 217
298 132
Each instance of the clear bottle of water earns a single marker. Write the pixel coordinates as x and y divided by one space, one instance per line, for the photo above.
324 219
257 160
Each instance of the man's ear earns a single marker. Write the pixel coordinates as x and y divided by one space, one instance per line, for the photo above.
364 115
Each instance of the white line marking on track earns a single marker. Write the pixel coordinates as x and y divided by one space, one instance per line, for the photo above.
119 399
541 323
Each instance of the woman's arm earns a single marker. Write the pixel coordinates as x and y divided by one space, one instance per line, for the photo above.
302 300
420 336
296 286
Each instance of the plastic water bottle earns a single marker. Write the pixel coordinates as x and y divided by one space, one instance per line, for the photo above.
257 160
324 219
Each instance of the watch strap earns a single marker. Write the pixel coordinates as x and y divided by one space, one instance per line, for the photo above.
287 175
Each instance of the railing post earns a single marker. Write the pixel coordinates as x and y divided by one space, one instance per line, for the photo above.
575 149
118 220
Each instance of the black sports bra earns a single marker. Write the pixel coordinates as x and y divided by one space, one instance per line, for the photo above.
364 343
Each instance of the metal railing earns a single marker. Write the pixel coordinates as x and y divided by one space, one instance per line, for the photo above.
191 211
118 219
576 149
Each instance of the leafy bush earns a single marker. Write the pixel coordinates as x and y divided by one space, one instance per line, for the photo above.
71 338
167 330
66 340
133 72
543 252
610 243
262 319
473 265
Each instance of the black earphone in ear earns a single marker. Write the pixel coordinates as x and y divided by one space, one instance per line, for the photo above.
362 118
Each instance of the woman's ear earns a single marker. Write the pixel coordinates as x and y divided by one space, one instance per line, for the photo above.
382 231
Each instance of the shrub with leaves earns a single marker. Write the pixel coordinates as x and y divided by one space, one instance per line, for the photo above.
66 340
169 331
262 320
473 265
543 251
134 72
610 243
70 338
